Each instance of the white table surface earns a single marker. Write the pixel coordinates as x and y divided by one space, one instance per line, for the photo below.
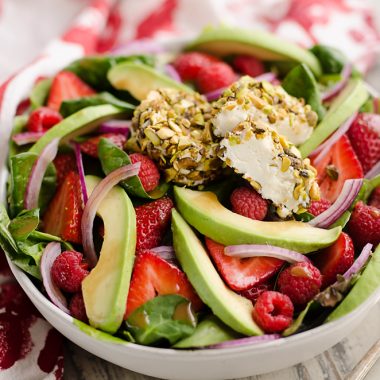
334 364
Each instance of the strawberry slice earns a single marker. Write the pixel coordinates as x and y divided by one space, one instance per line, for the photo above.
66 85
242 274
339 164
64 214
335 259
90 146
64 164
154 276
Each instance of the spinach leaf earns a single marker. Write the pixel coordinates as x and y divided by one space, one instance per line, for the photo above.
112 157
7 243
163 318
68 107
93 70
332 60
300 82
210 331
295 326
24 224
304 217
19 123
20 168
39 93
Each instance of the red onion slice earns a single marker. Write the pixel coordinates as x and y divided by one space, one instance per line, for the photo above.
213 95
245 341
374 171
167 253
325 147
372 90
33 187
337 87
172 73
79 160
50 253
25 138
269 77
348 194
256 250
359 262
116 126
98 194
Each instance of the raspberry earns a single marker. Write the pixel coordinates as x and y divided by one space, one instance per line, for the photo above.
77 308
248 65
364 225
273 311
300 281
254 293
374 200
248 202
148 173
317 207
42 119
69 270
189 65
215 76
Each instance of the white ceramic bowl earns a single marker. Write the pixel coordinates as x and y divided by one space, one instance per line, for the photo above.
186 364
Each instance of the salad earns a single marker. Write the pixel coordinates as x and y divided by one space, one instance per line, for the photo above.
222 195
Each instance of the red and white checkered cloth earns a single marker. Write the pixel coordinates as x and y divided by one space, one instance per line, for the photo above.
29 347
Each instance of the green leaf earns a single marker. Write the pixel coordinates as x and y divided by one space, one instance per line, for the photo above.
210 331
297 323
300 82
7 243
24 224
19 123
164 318
39 93
68 107
93 70
112 157
304 217
20 168
331 59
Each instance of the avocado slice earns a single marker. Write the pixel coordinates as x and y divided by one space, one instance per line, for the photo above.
105 289
139 79
79 123
234 310
367 283
206 214
343 106
225 41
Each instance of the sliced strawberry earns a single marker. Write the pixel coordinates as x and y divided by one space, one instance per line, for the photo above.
90 146
154 276
64 213
64 164
152 221
335 259
42 119
66 85
242 274
339 164
248 65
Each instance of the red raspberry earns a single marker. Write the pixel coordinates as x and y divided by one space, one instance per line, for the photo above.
248 65
248 202
317 207
188 65
69 270
364 135
374 200
364 225
42 119
300 281
77 308
148 173
215 76
254 293
273 311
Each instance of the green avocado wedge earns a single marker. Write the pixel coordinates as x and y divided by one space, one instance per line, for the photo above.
224 41
206 214
139 79
367 283
105 289
234 310
79 123
343 106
